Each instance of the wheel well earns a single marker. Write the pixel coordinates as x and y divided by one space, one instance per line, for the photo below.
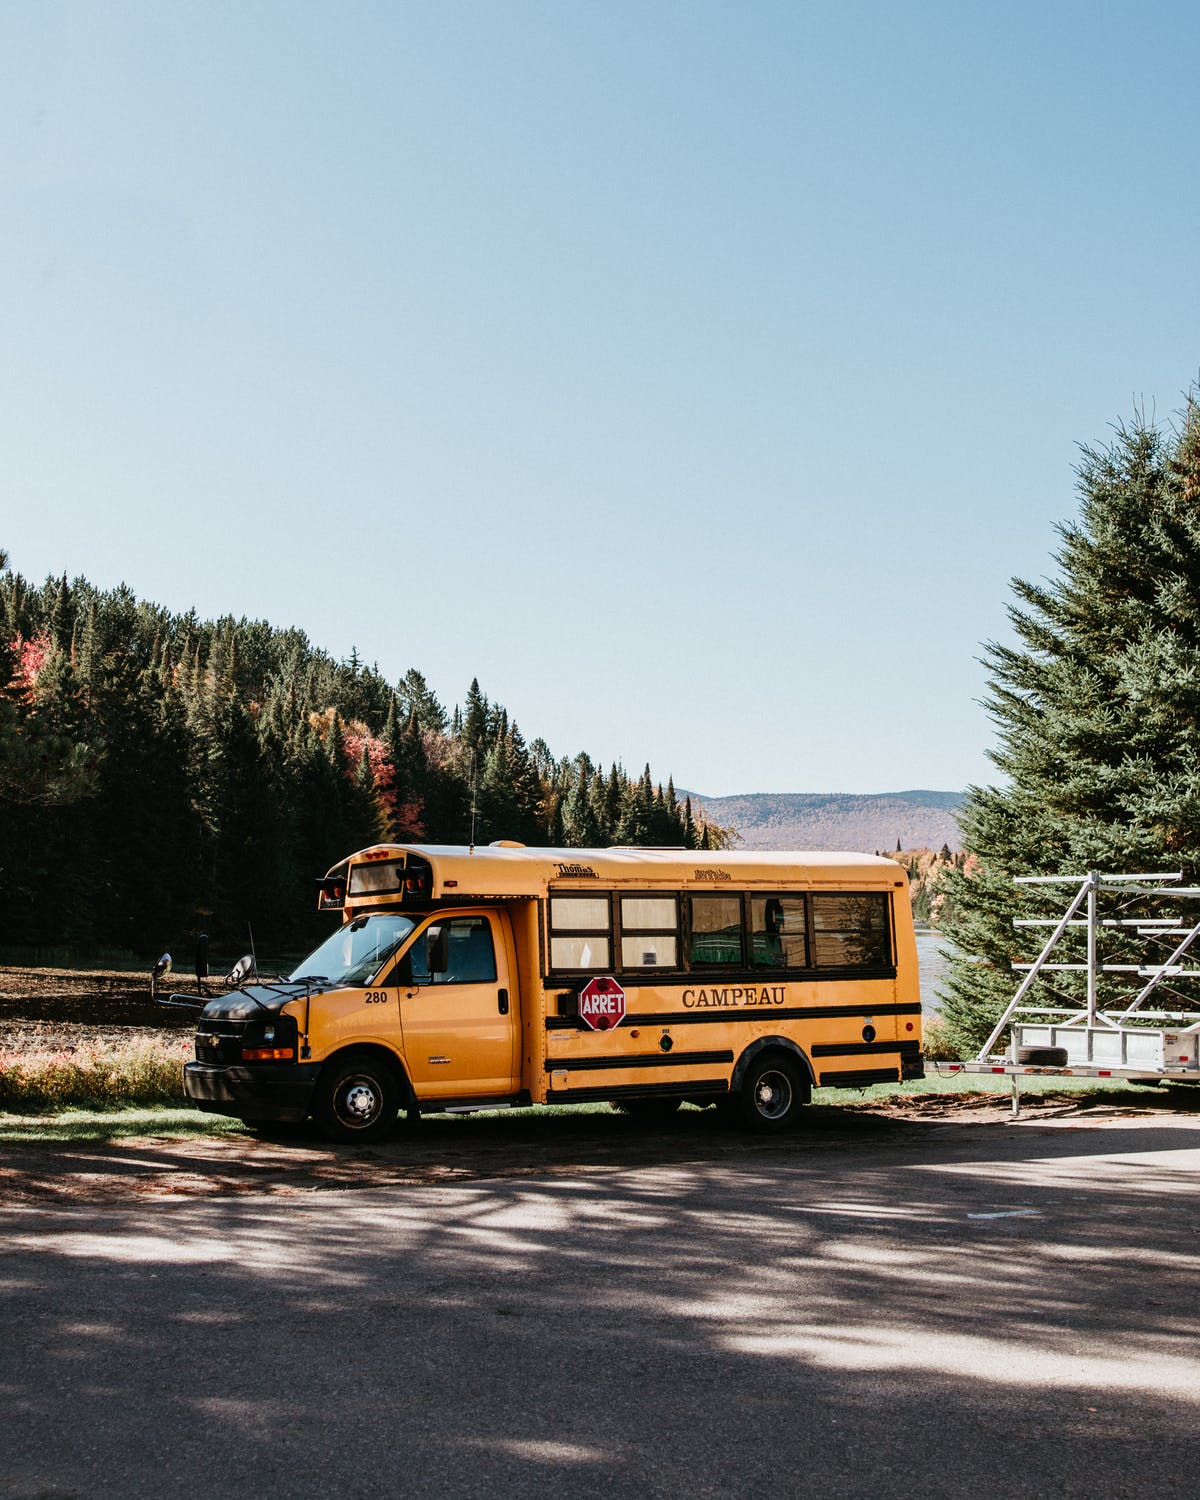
769 1044
377 1054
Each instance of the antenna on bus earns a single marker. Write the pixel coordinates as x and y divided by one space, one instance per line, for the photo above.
474 784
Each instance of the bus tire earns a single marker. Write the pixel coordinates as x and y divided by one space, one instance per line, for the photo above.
356 1099
772 1093
1050 1057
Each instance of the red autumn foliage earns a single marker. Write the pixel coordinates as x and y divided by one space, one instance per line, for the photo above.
30 659
402 808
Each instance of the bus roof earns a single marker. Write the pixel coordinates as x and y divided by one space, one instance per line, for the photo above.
516 870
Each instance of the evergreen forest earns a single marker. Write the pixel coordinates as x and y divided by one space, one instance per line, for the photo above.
1096 703
162 775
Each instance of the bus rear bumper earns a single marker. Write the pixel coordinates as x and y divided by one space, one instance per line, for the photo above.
267 1092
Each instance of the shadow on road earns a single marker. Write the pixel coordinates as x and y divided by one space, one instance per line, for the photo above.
870 1307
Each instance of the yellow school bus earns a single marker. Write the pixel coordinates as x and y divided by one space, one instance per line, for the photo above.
463 978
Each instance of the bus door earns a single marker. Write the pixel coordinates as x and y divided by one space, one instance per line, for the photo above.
458 1009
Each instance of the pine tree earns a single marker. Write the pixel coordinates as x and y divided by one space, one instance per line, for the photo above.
690 837
418 699
1097 709
475 718
580 825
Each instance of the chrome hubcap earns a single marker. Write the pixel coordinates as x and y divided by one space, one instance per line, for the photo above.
773 1095
359 1103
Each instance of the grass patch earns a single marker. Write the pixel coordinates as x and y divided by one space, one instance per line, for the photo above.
74 1125
1104 1090
93 1075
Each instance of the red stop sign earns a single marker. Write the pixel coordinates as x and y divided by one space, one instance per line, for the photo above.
602 1003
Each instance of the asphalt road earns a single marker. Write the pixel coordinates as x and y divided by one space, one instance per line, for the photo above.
960 1309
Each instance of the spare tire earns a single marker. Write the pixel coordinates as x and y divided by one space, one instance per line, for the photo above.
1050 1057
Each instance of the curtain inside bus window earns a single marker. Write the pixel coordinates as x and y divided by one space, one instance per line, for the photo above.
580 936
579 913
579 953
649 932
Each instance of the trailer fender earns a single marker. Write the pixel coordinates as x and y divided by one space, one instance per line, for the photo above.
770 1044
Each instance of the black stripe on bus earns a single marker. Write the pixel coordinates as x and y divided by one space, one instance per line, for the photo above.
745 1013
642 1060
853 1049
712 1088
673 979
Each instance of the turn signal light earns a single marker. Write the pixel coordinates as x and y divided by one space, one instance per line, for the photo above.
268 1054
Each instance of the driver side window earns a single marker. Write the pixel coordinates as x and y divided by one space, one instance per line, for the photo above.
457 951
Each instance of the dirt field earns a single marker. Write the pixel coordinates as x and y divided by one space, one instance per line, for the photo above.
65 1006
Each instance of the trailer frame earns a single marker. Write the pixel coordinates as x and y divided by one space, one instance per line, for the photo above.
1098 1041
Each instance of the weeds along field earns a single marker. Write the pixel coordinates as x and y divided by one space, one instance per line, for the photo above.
40 1074
76 1039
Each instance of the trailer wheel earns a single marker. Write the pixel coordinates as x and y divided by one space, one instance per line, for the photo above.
772 1093
1050 1057
356 1099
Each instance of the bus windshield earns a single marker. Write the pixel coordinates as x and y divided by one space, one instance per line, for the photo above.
354 954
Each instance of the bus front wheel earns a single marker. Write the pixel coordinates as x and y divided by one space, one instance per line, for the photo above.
772 1093
356 1100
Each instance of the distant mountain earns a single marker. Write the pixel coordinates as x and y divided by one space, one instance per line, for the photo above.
836 820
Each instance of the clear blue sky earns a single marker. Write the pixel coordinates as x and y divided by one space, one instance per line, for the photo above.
696 375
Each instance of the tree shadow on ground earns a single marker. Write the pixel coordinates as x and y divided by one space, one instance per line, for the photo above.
899 1306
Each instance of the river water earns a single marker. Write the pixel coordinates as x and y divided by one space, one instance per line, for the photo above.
934 967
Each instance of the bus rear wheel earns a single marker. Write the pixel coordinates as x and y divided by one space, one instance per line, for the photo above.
356 1100
772 1094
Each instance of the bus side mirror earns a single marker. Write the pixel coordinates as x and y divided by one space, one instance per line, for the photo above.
239 971
161 968
437 947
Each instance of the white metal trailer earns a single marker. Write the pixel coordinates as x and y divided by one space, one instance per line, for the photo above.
1097 1040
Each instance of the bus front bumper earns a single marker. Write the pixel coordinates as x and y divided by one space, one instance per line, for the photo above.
266 1092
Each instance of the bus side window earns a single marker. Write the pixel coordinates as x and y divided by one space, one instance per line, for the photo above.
779 932
416 960
425 962
851 931
649 932
470 957
580 933
716 932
